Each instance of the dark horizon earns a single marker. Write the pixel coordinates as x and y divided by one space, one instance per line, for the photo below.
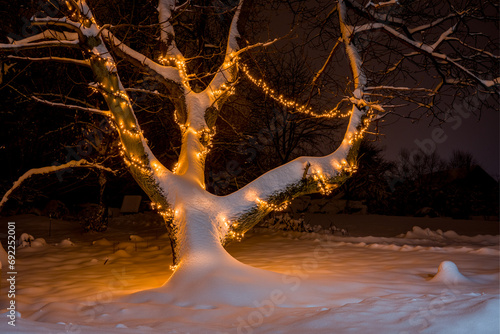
478 136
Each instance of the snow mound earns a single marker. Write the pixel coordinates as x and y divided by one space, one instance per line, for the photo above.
38 242
120 253
102 242
127 246
136 238
27 240
420 233
213 281
448 273
66 243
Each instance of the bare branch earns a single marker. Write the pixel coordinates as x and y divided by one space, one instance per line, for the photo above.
325 65
146 91
432 24
50 169
74 107
256 45
486 53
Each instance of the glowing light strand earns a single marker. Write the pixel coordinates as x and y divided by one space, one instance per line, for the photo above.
231 233
270 206
178 63
287 102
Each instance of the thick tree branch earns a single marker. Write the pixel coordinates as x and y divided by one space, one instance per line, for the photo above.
166 72
218 89
39 45
49 34
54 59
277 187
167 33
169 76
63 22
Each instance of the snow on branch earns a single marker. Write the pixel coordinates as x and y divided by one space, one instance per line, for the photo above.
167 33
62 21
386 17
232 44
74 107
320 171
51 169
145 91
38 45
49 34
429 50
166 72
226 73
56 59
382 4
366 27
444 36
256 45
400 88
432 24
306 174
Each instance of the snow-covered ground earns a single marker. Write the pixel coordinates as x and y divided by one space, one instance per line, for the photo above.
421 281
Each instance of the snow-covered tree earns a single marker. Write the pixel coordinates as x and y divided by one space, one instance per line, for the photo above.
401 56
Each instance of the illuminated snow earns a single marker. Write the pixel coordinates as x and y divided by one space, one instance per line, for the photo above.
421 281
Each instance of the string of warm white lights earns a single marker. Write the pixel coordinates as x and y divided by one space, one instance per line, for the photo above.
228 230
168 213
323 186
304 109
270 206
178 63
135 162
235 235
225 89
358 135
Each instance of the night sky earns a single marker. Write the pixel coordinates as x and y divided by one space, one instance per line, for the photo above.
480 137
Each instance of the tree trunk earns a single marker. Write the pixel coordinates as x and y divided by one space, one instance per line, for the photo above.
206 275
